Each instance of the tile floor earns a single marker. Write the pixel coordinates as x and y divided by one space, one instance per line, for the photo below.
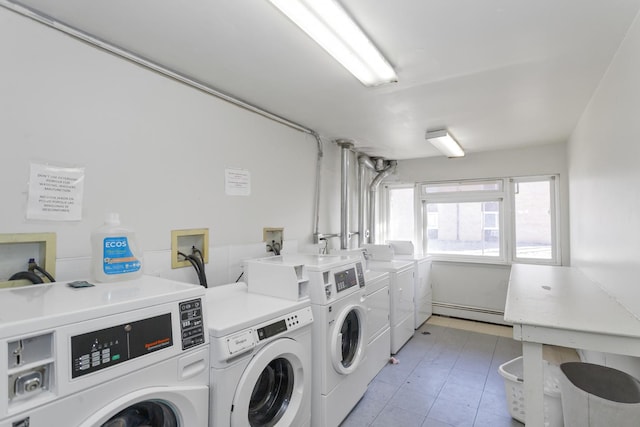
448 377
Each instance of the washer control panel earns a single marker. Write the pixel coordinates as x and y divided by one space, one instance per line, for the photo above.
346 279
191 323
247 339
360 273
293 321
97 350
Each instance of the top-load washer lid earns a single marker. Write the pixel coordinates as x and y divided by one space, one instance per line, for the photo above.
231 308
29 308
390 266
402 247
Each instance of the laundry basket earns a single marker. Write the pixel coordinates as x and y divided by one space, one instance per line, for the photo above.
512 372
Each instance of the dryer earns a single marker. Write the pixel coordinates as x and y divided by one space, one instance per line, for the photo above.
260 359
125 353
335 288
423 295
378 326
401 292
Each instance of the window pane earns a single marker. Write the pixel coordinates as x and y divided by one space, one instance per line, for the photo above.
462 229
533 220
400 224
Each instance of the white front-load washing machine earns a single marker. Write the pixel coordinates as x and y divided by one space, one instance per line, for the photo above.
376 291
123 354
260 359
335 287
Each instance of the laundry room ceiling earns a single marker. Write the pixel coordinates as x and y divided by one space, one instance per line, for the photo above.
497 73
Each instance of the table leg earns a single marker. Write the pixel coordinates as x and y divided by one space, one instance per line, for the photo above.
533 384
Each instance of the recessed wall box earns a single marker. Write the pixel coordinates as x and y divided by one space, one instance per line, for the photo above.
184 241
273 238
16 250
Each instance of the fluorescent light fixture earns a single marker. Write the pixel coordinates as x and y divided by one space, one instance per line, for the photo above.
443 141
326 22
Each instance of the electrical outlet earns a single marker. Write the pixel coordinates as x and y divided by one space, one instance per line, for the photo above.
184 241
273 238
16 249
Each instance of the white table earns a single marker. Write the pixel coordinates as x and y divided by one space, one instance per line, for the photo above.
560 306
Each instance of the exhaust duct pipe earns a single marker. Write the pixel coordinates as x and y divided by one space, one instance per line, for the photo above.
373 193
364 163
346 147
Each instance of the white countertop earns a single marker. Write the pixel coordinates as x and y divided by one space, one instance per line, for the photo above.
564 298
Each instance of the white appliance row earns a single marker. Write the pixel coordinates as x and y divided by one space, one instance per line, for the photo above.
296 346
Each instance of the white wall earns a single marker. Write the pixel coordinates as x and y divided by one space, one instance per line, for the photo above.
604 156
484 286
154 150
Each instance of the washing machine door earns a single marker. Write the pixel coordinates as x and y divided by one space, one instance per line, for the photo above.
144 414
167 406
274 388
348 339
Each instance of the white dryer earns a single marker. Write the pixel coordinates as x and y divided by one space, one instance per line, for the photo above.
423 297
115 354
378 326
335 285
260 359
401 294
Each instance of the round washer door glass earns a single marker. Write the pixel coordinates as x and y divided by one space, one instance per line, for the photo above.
350 332
271 394
149 413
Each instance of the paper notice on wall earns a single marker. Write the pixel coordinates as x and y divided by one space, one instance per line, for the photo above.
237 182
55 193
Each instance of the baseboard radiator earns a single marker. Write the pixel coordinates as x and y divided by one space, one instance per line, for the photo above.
449 306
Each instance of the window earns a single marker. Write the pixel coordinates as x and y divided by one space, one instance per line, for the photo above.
463 219
497 220
534 219
400 214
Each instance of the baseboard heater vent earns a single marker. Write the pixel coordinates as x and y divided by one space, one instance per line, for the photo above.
468 308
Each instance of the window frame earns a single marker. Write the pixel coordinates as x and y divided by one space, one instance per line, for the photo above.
554 203
471 196
506 210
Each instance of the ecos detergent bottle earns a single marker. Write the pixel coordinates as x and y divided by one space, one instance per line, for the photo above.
115 252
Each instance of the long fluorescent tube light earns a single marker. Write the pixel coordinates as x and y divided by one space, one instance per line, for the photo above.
326 22
443 141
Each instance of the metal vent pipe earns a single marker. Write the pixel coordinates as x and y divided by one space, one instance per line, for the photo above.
345 213
373 201
364 163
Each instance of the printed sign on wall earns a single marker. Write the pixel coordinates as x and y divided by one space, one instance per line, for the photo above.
55 193
237 182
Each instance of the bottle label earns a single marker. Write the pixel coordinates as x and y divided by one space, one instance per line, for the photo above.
118 258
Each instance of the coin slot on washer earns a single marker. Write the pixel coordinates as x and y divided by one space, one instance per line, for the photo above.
27 383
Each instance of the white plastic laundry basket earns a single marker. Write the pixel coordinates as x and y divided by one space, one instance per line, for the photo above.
513 386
